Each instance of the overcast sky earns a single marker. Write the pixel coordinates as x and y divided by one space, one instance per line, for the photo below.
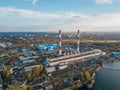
52 15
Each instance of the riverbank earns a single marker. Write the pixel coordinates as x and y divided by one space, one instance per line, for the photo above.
96 70
94 73
101 66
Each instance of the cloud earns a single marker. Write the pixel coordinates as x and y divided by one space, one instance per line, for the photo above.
34 2
71 15
104 1
10 11
5 11
103 22
68 21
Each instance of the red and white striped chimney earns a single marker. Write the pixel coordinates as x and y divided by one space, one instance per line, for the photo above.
78 42
60 43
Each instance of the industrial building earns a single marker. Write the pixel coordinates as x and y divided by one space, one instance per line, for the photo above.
28 57
50 69
47 47
115 54
3 45
29 68
62 65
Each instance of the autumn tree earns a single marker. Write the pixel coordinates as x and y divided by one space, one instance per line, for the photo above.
34 62
24 87
29 88
13 88
5 69
5 74
81 76
87 75
41 68
29 76
37 70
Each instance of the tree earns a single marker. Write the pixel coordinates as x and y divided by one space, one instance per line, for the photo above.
29 88
7 74
29 76
78 82
13 88
87 75
37 70
82 76
24 87
41 68
5 69
34 62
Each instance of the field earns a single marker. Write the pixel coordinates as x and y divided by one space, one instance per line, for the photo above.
90 41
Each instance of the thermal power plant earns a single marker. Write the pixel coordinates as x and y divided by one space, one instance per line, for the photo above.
68 56
78 41
60 43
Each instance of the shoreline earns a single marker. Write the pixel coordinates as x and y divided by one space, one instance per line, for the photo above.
94 73
100 67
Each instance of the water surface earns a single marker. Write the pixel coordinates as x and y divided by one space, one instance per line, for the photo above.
108 79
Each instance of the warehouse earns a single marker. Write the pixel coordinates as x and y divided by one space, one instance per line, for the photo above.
50 69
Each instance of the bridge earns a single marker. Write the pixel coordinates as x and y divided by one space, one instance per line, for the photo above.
109 68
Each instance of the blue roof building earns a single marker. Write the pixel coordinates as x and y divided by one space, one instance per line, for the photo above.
47 47
116 54
40 47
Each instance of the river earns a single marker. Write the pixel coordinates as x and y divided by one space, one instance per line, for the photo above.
108 79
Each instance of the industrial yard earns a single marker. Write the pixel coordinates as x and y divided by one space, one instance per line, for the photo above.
50 62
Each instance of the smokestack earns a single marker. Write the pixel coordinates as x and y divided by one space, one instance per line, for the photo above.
78 42
60 43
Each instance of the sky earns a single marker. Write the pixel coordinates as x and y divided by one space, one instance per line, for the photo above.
66 15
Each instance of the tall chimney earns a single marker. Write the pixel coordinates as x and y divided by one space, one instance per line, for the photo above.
78 42
60 43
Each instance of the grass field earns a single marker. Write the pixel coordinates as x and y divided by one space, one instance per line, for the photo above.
90 41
